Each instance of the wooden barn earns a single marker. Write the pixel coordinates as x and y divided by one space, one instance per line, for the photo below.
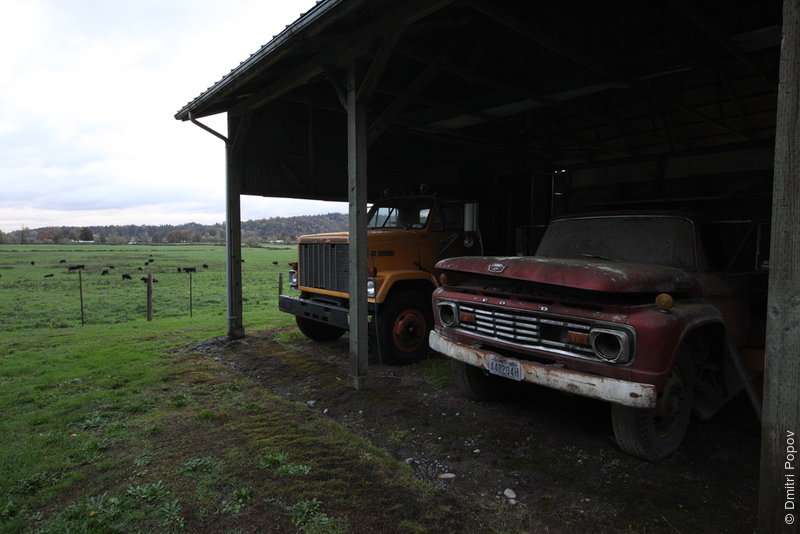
537 108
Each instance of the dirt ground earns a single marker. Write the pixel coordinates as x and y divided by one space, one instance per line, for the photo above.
555 452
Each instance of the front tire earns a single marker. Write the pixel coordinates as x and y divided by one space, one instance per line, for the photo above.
318 331
403 326
652 434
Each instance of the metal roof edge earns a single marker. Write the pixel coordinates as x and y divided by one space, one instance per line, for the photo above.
312 15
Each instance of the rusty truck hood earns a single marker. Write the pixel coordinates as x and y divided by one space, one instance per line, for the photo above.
589 274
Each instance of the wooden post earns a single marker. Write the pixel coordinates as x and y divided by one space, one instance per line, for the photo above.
190 293
779 503
233 243
80 290
357 198
150 297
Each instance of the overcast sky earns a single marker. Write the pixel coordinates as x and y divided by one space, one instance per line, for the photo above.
88 94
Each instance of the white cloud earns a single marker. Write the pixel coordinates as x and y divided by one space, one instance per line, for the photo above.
88 91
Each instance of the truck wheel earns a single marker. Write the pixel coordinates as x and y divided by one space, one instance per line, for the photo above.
318 331
403 326
652 434
476 383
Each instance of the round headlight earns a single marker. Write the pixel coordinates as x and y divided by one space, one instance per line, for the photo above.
293 279
370 288
448 313
611 345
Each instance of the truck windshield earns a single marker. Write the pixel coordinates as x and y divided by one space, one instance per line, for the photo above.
657 240
400 213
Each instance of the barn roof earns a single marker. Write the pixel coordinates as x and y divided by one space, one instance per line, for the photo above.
565 82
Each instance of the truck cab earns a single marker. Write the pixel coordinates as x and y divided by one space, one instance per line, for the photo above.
406 236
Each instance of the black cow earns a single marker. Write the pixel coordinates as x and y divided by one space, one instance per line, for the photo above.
48 276
126 277
205 266
190 269
75 267
105 272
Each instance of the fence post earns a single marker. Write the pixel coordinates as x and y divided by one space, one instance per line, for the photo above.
80 290
150 297
190 293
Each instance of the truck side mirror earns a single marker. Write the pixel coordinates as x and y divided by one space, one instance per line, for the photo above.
471 217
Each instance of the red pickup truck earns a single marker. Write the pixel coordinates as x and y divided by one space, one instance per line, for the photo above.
641 310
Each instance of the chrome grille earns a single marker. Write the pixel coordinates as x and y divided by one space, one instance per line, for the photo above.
525 328
324 266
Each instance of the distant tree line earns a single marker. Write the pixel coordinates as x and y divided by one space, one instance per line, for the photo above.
254 232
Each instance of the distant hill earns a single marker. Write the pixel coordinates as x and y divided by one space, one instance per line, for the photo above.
254 232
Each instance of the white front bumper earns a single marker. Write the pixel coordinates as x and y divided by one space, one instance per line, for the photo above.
613 390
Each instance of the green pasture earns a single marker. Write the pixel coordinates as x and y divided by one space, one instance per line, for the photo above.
37 289
123 426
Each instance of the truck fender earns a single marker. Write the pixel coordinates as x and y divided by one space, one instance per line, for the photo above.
390 280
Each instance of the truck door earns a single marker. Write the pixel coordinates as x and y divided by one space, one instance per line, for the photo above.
446 236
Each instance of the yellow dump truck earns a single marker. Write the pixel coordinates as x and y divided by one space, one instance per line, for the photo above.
406 236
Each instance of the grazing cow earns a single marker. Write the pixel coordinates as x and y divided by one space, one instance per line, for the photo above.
105 272
126 277
190 269
48 275
144 279
33 263
62 261
140 269
75 267
179 269
205 266
110 266
275 263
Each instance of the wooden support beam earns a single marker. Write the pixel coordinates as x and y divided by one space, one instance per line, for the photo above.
357 199
233 232
779 502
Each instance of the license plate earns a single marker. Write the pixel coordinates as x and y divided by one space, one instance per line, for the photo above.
506 368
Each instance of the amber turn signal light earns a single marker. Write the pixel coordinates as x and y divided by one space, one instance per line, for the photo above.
664 302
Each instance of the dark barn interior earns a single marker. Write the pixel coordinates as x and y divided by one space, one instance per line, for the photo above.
533 108
630 104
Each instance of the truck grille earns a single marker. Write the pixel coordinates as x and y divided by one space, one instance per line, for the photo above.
527 329
324 266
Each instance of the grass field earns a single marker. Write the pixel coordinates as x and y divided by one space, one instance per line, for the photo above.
87 413
117 427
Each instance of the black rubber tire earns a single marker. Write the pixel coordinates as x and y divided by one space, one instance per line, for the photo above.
404 323
477 383
652 434
318 331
